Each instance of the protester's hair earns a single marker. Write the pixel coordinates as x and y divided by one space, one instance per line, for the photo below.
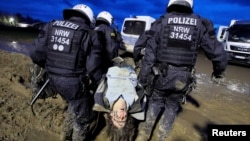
123 134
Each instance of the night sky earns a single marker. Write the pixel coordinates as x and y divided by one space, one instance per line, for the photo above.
219 11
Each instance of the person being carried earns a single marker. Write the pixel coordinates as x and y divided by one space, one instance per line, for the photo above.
122 101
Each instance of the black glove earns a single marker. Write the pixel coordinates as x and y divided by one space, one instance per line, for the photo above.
218 77
148 85
143 82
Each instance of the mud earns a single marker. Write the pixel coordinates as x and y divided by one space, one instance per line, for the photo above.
207 104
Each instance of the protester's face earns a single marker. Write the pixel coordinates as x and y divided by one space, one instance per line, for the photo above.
119 113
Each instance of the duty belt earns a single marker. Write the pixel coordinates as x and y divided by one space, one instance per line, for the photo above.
179 68
66 75
164 68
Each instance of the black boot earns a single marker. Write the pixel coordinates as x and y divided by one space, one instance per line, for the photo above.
68 127
80 132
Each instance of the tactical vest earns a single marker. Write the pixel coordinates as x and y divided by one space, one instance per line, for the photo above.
179 37
64 43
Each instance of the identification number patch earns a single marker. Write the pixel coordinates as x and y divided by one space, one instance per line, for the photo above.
181 32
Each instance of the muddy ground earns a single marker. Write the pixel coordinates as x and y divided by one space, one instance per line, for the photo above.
208 103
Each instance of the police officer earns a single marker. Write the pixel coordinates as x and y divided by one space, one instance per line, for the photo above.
171 54
139 48
140 44
69 50
109 37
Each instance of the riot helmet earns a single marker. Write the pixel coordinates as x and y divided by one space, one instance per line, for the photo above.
187 3
105 16
80 10
185 6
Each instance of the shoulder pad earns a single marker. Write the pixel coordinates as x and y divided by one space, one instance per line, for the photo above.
209 26
206 22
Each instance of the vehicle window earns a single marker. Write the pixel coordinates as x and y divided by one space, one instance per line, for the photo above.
239 34
134 27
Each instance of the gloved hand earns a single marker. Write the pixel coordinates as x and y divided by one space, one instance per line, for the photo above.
148 87
143 82
142 51
218 77
148 91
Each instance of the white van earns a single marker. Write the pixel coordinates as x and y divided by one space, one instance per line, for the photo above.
132 28
236 40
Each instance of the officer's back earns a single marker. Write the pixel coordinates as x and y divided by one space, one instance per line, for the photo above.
170 55
108 37
70 52
178 34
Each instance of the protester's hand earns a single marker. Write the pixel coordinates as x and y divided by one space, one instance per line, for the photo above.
218 78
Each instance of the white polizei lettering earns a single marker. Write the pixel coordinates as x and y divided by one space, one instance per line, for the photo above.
193 21
176 20
182 20
71 25
187 20
62 33
58 23
66 24
170 20
181 29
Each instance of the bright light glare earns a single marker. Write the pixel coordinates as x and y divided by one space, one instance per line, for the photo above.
11 19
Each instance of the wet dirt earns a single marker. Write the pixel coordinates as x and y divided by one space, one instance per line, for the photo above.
207 104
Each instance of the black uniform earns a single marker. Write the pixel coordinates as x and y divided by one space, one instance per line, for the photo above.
109 42
141 43
69 50
173 51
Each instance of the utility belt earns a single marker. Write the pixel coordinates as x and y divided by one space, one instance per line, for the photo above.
85 80
164 68
65 75
180 68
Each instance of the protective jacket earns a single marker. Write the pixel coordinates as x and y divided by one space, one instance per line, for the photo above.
176 41
62 48
109 41
140 44
173 52
70 52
